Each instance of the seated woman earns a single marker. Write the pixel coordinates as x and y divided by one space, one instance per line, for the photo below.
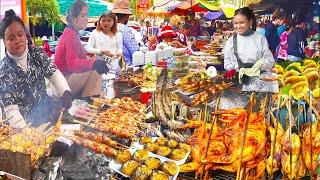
23 71
82 74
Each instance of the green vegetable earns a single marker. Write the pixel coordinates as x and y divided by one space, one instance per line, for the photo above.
294 68
285 89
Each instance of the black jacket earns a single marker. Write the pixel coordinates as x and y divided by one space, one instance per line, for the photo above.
296 42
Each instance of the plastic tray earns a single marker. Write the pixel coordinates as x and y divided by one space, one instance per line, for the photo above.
117 166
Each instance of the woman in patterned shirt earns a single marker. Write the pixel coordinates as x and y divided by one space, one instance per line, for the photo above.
23 70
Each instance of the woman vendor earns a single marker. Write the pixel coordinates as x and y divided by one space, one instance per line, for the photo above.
248 54
82 74
169 36
23 70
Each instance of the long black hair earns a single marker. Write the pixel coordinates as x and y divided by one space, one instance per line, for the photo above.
248 13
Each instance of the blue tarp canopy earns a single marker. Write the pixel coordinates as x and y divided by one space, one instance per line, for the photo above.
96 7
213 15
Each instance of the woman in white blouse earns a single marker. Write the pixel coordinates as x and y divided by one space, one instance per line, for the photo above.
244 49
105 40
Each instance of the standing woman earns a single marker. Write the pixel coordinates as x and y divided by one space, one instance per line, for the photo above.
23 70
244 49
271 31
82 74
297 39
106 40
283 48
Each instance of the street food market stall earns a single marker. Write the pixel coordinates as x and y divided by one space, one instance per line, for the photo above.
188 127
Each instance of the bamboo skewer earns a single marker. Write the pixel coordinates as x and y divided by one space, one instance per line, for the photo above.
214 119
290 133
251 103
310 118
91 125
275 136
16 132
74 137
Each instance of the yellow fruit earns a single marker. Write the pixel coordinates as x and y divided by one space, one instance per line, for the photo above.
291 73
316 93
312 76
295 79
311 65
306 71
279 69
298 90
295 64
308 61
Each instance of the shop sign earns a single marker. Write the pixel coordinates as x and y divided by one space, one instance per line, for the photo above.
10 4
143 4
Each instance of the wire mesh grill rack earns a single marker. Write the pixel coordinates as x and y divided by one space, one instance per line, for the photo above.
215 175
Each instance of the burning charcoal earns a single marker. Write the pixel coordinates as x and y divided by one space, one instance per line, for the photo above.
77 171
59 149
37 175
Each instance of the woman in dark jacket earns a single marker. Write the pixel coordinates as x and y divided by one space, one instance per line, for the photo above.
297 40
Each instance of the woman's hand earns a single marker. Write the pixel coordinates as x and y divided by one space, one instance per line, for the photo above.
231 74
119 55
176 44
66 100
100 66
106 53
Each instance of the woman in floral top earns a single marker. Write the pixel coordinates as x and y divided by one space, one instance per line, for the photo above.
23 70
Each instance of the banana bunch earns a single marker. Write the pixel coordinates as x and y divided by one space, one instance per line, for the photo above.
301 77
311 70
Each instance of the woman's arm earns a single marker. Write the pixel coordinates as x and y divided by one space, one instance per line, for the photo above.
92 44
12 113
75 63
60 83
229 60
48 67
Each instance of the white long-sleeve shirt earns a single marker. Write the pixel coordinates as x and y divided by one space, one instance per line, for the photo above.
98 41
250 49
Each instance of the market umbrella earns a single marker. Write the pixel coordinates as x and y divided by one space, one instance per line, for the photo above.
228 9
213 15
211 5
162 8
184 7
